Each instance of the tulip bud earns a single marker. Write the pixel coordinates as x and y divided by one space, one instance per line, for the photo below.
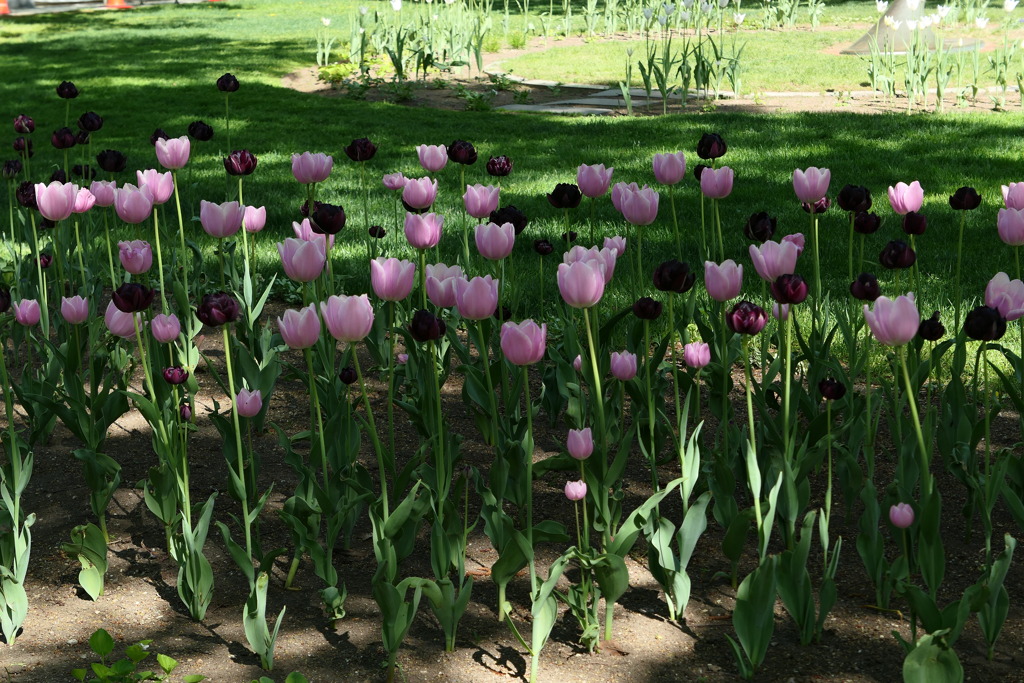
760 226
227 83
580 443
697 355
854 198
23 146
327 219
569 236
111 161
746 318
348 375
425 326
901 515
185 412
377 232
176 375
831 389
914 223
897 254
543 247
711 146
132 297
26 195
241 162
865 287
158 134
67 90
360 149
789 289
820 206
11 169
499 167
985 324
5 299
865 223
462 152
576 490
80 171
90 122
218 309
249 403
623 365
565 196
931 329
24 124
965 199
674 276
63 138
200 131
647 308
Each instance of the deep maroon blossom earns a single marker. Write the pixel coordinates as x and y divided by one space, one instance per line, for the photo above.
931 329
965 199
111 161
158 134
348 375
565 196
24 124
789 289
90 121
647 308
218 309
58 176
23 146
866 223
760 226
200 131
674 276
820 206
914 223
462 152
711 146
897 254
26 195
746 318
543 247
375 231
499 167
865 287
67 90
509 214
63 138
360 149
854 198
227 83
11 169
327 219
425 326
175 375
240 162
698 171
831 389
985 324
131 297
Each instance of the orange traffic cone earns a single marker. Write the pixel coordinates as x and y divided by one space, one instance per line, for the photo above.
114 4
4 8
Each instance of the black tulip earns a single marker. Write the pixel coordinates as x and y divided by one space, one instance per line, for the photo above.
376 232
462 152
698 171
67 90
865 287
23 146
58 176
499 167
647 308
175 375
820 206
985 324
760 226
82 137
26 195
674 276
502 313
90 122
327 219
746 318
11 169
131 297
831 389
158 134
865 223
200 131
240 162
46 224
897 254
45 261
360 149
711 146
965 199
304 209
425 326
24 124
5 299
227 83
914 223
789 289
111 161
854 198
569 236
63 138
413 209
218 309
348 375
565 196
931 329
87 172
543 247
186 411
509 214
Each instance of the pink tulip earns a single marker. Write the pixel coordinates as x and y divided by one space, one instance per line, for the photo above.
480 200
696 355
133 204
393 181
616 244
56 201
119 323
103 191
780 311
300 329
1013 196
894 322
392 279
432 157
581 283
772 259
249 403
639 207
797 239
26 312
495 241
136 256
303 261
580 443
441 284
906 198
221 220
1006 295
716 183
901 515
348 318
255 219
524 343
305 232
84 201
670 168
476 299
576 490
165 327
812 184
623 365
161 185
75 309
311 168
423 230
173 153
419 193
619 190
402 358
593 181
1011 224
724 281
577 363
605 257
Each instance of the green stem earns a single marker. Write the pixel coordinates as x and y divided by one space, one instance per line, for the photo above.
926 476
675 220
373 435
181 235
959 256
651 454
159 261
314 390
232 396
529 480
718 225
81 262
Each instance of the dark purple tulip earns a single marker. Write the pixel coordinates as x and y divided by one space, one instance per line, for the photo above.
26 195
462 152
45 261
789 289
698 171
914 223
413 209
24 124
185 411
985 324
674 276
426 326
348 375
218 309
360 149
711 146
746 318
499 167
227 83
175 375
831 389
965 199
760 226
11 169
240 162
200 131
5 299
931 329
865 287
509 214
131 297
820 206
897 254
111 161
82 137
158 134
569 236
58 176
63 138
46 224
565 196
543 247
304 209
327 219
23 146
865 223
502 313
67 90
376 232
647 308
854 198
90 121
87 172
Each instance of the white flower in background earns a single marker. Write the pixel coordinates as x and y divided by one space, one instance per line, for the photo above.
913 5
363 11
926 22
943 10
934 19
362 30
723 3
881 6
894 24
648 13
738 18
981 22
687 4
685 16
669 9
396 5
662 19
325 21
1010 5
911 25
705 7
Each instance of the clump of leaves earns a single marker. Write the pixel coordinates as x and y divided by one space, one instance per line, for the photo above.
125 670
